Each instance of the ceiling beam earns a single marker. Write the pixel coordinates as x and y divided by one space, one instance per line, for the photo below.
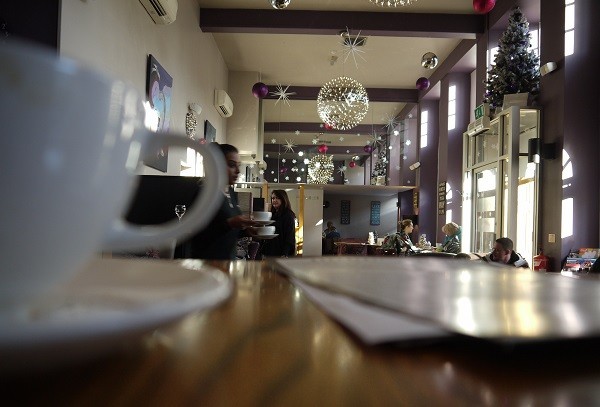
375 94
290 127
333 22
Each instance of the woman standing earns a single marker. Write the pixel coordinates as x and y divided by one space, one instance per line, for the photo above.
283 245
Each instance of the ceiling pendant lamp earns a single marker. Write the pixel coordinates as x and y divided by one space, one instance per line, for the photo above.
342 103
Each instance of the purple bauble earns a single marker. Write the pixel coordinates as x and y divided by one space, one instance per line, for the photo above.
283 170
260 90
423 83
368 149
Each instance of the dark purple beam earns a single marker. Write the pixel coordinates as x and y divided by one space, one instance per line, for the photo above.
375 94
290 127
332 22
339 150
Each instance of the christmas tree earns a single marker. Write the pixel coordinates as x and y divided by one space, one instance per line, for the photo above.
516 67
380 167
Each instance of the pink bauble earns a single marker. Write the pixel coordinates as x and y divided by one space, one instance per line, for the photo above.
260 90
322 149
483 6
423 83
352 164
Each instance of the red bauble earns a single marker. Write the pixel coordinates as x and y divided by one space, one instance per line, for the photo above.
483 6
328 126
322 149
352 164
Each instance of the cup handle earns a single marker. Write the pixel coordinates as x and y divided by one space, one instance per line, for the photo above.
126 236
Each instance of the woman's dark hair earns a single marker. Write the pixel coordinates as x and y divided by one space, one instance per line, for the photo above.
285 201
227 148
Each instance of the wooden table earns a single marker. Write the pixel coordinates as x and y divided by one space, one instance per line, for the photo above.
270 346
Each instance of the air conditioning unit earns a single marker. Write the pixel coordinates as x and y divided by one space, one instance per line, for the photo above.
223 103
161 11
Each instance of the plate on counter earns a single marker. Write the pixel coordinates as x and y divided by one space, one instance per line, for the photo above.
264 222
265 236
106 303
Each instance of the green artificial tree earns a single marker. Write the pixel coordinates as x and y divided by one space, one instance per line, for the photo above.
516 68
381 163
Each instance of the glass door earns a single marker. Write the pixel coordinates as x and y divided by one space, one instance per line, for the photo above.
485 198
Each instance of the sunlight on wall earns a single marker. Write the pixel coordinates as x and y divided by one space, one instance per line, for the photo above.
569 27
424 120
566 224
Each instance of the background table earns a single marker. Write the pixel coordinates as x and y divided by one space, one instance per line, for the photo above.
269 345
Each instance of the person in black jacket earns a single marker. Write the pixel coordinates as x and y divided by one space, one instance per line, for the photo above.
218 240
284 245
503 252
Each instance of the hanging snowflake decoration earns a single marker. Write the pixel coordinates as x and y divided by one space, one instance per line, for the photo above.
341 169
293 161
283 160
273 141
297 132
287 178
282 94
390 123
289 146
351 45
261 172
315 141
341 138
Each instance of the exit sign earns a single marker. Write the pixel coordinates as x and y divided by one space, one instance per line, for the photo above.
482 110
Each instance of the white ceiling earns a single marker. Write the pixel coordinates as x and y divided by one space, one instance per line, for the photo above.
305 60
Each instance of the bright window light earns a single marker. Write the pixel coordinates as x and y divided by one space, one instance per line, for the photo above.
569 27
566 226
451 107
424 128
567 165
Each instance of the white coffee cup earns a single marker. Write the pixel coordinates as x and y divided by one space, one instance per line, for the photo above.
261 216
71 141
265 230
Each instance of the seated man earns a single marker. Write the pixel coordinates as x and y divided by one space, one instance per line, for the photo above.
331 232
503 252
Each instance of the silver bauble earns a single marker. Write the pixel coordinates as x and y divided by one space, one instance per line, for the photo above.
280 4
429 60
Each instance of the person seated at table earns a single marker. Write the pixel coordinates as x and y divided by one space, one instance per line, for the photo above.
452 240
503 252
400 241
331 232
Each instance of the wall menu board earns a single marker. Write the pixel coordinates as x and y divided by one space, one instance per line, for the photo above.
375 213
345 212
442 198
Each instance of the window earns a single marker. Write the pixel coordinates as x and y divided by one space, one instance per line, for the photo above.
451 107
424 121
569 27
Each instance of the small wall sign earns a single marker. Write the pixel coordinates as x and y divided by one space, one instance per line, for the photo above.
345 212
442 198
375 213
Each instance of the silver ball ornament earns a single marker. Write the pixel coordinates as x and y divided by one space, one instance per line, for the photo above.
429 60
280 4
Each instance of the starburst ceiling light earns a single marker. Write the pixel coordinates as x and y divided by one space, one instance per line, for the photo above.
392 3
320 169
282 94
342 103
280 4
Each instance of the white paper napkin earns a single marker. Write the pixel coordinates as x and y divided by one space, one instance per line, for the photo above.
373 325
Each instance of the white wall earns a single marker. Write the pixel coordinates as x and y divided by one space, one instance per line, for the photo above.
116 36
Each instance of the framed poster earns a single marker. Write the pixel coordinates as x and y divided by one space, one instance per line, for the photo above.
210 133
375 213
442 198
159 88
345 212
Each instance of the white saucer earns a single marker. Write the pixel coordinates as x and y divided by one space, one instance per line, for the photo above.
266 236
107 302
264 222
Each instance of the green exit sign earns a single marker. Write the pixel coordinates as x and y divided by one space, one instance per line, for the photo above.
481 110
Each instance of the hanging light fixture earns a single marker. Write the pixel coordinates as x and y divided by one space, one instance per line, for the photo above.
342 103
392 3
320 169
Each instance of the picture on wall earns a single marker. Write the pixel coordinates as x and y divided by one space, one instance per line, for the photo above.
345 212
159 89
375 218
210 133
